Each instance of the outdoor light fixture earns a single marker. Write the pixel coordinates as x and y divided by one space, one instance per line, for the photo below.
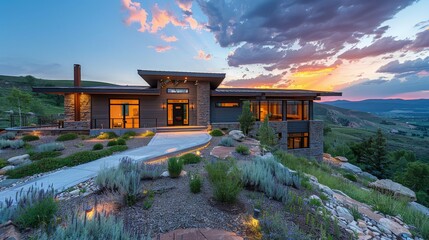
163 106
186 79
192 106
256 213
196 83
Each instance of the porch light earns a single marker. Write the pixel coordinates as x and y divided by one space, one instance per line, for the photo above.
163 106
192 106
196 83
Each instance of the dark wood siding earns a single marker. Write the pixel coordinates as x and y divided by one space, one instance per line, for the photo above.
297 126
218 114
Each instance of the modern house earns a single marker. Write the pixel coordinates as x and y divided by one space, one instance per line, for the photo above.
175 99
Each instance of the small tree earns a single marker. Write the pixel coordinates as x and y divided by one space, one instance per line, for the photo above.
19 100
246 119
267 135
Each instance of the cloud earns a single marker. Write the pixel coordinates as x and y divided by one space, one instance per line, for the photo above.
421 41
407 67
295 31
160 48
136 14
160 18
316 67
203 56
379 47
261 81
169 38
185 5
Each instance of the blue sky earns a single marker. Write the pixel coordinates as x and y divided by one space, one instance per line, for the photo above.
367 49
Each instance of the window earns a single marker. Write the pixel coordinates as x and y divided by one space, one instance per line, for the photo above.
124 113
298 140
228 104
297 110
178 90
272 109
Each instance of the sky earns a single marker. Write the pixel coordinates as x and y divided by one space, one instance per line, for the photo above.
365 49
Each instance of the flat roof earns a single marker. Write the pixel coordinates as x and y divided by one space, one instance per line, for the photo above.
152 77
141 90
272 92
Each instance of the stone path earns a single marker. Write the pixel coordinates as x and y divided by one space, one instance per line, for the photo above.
199 234
162 144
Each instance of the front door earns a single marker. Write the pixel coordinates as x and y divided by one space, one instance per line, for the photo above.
178 112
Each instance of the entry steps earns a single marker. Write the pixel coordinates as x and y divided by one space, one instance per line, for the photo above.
181 129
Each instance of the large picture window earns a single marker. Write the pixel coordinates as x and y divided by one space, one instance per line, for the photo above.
297 110
228 104
272 109
298 140
124 113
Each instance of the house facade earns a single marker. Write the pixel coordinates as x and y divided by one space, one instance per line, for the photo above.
177 99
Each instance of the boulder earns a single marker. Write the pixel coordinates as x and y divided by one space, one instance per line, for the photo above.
9 231
393 226
5 169
420 208
369 176
237 135
19 160
351 167
267 155
344 213
326 189
166 174
341 159
394 188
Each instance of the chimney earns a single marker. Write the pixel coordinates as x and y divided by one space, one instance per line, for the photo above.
77 75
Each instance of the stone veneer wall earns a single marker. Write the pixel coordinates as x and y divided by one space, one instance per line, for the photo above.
203 104
315 130
85 112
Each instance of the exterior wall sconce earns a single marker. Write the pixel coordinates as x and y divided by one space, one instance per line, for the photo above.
196 83
192 106
163 106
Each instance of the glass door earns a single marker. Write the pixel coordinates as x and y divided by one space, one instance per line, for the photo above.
124 113
177 112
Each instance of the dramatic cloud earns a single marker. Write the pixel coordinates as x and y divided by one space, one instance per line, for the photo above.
379 47
421 41
203 56
136 14
169 38
296 32
261 81
317 67
160 18
407 67
185 5
161 49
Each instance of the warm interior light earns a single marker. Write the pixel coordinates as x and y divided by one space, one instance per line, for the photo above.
163 106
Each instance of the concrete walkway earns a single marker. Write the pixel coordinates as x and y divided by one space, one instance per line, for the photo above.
161 144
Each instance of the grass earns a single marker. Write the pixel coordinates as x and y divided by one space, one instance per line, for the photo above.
29 138
42 155
380 202
242 149
226 180
175 166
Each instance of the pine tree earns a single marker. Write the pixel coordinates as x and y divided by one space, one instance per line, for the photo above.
246 119
267 135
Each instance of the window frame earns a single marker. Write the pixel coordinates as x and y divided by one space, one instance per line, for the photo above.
174 90
295 136
218 104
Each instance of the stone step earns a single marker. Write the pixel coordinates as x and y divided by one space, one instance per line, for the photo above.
181 129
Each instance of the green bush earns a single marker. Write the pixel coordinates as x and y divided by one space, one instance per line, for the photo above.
129 134
8 136
216 133
118 148
266 134
3 163
97 146
175 166
107 135
50 147
39 213
112 143
190 158
67 137
226 180
246 118
226 142
42 155
16 144
121 141
151 171
148 133
350 177
242 149
29 138
195 183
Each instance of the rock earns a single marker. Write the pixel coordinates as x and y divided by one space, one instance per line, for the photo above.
393 227
222 152
18 160
327 155
341 159
362 224
369 176
344 213
5 169
351 167
326 189
267 155
315 197
75 192
394 188
9 231
420 208
166 174
237 135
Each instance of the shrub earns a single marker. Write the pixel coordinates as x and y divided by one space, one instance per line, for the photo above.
195 183
190 158
97 146
50 147
273 227
3 163
40 213
66 137
112 143
175 166
266 134
149 198
246 119
42 155
8 136
121 141
107 135
15 144
4 143
118 148
225 178
355 213
315 202
242 149
216 133
29 138
151 171
226 142
129 134
148 133
350 177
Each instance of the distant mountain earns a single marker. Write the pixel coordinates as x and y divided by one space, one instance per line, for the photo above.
385 106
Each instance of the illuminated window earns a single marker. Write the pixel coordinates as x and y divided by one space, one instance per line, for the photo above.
254 107
297 110
298 140
178 90
275 111
272 109
177 112
124 113
228 104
